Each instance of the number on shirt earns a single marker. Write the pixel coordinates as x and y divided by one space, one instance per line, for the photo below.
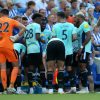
64 35
5 25
29 34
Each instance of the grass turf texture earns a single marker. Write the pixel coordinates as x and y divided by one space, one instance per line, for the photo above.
91 96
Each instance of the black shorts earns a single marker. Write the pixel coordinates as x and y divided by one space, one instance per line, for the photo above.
35 59
25 61
68 60
75 62
55 51
85 58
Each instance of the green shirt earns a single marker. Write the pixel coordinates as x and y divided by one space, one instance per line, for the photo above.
19 47
82 30
75 43
45 35
65 31
30 37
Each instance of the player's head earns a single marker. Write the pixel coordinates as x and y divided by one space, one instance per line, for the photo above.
18 18
60 15
79 18
5 12
24 21
37 18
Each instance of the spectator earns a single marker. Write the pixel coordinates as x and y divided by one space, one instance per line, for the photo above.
24 21
3 3
31 4
20 3
42 12
63 5
96 38
69 17
87 4
74 7
28 14
92 21
68 3
97 10
51 20
41 4
51 5
12 10
82 6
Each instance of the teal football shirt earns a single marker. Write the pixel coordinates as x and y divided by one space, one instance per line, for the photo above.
65 31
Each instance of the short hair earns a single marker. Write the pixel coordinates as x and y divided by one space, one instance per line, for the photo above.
36 15
30 3
61 14
24 18
73 1
82 5
80 16
41 10
16 17
50 15
5 11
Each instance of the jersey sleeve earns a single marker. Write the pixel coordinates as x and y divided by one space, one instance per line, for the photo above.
37 29
54 31
15 23
86 27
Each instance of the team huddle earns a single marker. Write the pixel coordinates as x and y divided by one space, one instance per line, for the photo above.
66 48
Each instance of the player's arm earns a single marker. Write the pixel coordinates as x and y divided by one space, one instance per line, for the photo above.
22 30
38 34
88 38
38 37
86 29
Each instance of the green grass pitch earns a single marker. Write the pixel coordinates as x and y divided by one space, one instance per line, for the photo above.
91 96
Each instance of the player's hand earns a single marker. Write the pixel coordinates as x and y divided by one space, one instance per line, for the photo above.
80 51
14 38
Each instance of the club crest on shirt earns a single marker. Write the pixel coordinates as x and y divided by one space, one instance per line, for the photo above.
86 25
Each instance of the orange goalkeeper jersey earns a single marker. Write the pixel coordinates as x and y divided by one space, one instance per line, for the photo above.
6 30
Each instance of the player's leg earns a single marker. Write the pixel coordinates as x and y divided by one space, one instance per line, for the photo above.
90 78
50 69
42 73
71 74
12 57
31 71
3 69
26 66
50 65
3 75
60 57
83 60
60 78
18 79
